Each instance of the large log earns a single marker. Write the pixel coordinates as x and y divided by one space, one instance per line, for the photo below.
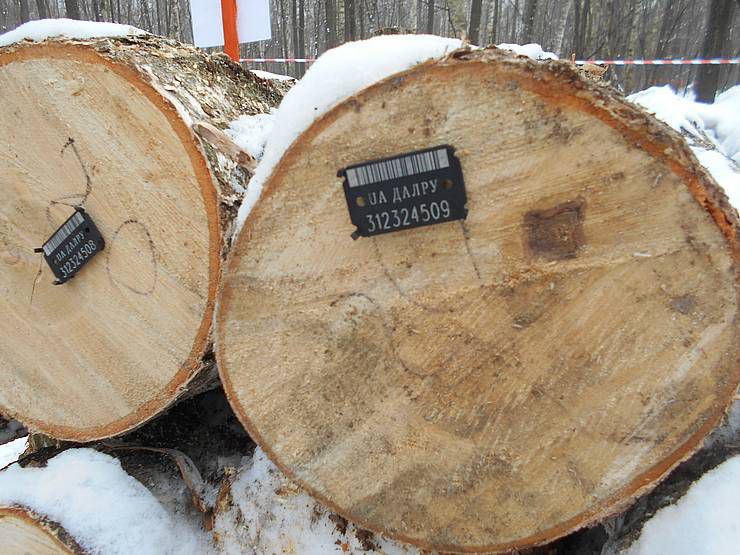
495 382
104 125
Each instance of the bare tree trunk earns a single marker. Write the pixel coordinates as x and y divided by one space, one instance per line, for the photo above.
474 27
558 42
430 17
294 31
349 20
719 20
96 10
283 29
530 10
25 15
42 8
331 24
301 36
494 26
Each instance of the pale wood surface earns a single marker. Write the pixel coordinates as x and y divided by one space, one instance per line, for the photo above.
23 533
104 124
496 383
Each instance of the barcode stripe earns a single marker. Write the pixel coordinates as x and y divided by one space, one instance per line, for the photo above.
62 233
404 166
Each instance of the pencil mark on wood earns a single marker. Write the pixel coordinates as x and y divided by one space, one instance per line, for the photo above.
466 237
132 227
35 280
82 197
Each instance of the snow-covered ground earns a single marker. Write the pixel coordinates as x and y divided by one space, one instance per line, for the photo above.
11 451
712 130
283 519
42 29
106 510
705 521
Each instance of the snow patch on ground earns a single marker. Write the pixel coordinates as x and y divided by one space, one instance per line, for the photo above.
712 130
268 75
106 510
532 50
704 521
278 517
43 29
251 132
11 451
338 74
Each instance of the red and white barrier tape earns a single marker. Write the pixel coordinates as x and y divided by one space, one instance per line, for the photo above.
677 62
283 60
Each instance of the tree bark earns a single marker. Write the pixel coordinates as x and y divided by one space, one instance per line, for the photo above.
349 20
474 27
331 24
495 24
719 22
24 13
430 17
587 219
301 36
42 8
150 164
73 9
530 11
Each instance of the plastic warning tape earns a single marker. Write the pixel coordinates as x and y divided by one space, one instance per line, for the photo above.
676 62
284 60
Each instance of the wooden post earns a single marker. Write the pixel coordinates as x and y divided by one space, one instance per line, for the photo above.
231 35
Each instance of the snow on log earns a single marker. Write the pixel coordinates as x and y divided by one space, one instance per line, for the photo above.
493 382
84 501
131 130
260 511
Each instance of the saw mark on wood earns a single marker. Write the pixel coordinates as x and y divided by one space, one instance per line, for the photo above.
152 249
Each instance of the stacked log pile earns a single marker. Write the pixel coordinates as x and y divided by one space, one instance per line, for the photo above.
481 304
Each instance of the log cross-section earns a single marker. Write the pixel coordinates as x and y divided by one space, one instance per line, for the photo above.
105 125
496 382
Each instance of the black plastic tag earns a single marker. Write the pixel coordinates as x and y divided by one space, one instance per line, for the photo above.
411 190
72 246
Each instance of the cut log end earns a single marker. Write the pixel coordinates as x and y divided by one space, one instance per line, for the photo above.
496 382
24 531
103 125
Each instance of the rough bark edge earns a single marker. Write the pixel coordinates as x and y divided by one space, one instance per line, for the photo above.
192 365
53 529
561 84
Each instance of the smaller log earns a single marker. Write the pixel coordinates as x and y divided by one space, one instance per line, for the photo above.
179 458
23 531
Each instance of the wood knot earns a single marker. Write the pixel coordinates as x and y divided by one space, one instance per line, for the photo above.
556 233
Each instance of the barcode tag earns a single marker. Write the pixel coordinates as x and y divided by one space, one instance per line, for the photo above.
406 191
72 246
